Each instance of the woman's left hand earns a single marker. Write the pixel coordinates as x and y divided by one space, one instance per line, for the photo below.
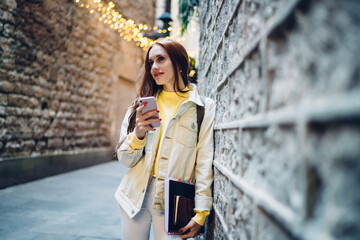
193 228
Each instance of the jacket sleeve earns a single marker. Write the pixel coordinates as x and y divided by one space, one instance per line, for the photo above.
126 154
204 161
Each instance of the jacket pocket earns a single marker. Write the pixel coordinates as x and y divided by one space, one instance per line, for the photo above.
187 134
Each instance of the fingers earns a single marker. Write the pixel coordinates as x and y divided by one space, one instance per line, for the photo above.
184 229
144 119
193 228
151 120
146 123
139 109
150 113
147 114
143 122
144 127
190 234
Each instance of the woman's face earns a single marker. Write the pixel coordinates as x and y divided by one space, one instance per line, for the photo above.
161 67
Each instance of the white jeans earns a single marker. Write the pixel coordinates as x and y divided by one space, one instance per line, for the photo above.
138 228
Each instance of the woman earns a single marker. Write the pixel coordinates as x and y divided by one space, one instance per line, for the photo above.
172 150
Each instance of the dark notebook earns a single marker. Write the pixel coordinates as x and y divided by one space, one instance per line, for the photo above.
179 204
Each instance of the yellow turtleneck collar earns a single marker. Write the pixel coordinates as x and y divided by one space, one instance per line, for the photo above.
174 96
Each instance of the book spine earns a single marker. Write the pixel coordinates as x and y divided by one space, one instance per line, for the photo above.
166 205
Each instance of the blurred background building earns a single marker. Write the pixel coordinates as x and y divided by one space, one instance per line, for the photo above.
65 82
66 79
285 78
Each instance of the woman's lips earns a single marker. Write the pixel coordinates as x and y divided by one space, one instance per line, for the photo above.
157 74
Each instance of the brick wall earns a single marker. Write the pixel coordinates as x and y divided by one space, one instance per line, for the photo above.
61 76
285 77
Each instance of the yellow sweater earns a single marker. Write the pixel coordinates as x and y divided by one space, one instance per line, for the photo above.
169 103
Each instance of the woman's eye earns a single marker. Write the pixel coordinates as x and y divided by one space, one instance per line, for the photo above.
161 58
151 63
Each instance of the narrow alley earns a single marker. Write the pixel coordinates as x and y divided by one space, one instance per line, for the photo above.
75 205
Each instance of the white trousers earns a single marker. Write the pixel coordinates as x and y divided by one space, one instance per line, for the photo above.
138 228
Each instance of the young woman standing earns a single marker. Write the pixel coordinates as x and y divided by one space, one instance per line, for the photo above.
172 150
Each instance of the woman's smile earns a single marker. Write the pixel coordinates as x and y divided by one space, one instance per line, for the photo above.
158 74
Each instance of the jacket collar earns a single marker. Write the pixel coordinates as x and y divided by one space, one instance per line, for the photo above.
194 95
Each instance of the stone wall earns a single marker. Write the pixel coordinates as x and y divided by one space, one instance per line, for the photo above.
285 77
62 74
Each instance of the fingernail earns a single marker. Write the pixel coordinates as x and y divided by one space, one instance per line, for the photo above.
180 231
160 119
157 111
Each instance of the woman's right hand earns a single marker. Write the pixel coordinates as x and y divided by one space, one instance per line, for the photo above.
141 124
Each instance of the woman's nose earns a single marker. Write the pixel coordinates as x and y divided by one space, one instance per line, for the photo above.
154 66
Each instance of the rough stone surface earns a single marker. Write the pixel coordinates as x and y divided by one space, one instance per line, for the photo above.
285 78
60 72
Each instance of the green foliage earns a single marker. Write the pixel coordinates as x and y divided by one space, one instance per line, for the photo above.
193 70
186 11
192 62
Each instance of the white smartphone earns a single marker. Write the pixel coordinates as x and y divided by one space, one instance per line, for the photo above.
150 105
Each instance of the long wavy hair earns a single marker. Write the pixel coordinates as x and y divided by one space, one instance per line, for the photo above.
148 87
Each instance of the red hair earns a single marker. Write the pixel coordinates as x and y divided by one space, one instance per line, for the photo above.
180 62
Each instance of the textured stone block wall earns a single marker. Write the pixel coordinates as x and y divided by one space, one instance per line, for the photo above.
59 68
285 77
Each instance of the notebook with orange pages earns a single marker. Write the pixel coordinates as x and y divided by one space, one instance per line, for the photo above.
179 204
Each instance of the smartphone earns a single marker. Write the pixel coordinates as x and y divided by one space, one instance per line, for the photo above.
150 105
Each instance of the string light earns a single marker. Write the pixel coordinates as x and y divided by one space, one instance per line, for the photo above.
127 28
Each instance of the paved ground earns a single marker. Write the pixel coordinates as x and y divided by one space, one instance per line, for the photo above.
75 205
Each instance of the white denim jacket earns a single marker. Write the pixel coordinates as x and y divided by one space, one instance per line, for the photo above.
180 157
